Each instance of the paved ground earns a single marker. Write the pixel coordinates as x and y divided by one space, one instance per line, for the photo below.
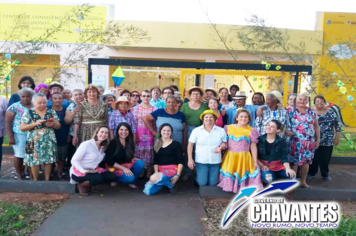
122 211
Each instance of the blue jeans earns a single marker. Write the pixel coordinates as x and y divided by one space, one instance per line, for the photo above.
207 174
1 141
136 169
152 188
268 176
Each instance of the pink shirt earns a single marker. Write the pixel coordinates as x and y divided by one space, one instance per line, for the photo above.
219 121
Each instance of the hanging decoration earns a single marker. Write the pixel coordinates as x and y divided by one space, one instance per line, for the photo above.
260 86
326 85
350 98
8 55
118 76
278 67
289 82
48 81
255 79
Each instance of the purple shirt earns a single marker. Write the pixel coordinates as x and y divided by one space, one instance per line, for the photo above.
116 118
3 107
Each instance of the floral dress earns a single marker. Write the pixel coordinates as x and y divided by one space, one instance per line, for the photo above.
303 141
144 138
41 144
238 170
89 118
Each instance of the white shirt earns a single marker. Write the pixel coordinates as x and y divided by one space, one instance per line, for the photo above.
206 143
87 156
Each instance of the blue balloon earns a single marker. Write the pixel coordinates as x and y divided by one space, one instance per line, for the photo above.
326 85
8 55
334 74
289 82
350 98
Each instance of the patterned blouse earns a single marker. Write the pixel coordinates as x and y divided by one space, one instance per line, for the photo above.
329 124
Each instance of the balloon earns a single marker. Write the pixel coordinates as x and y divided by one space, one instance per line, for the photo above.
278 67
289 82
8 55
334 74
350 98
326 85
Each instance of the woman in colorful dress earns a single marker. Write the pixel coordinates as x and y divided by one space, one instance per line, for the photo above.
92 113
144 137
329 136
41 144
239 168
17 138
306 137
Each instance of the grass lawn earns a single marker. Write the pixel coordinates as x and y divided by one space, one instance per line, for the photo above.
343 149
24 219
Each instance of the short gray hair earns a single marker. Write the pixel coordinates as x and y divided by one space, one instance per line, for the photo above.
26 90
38 95
99 86
172 97
78 89
272 96
67 90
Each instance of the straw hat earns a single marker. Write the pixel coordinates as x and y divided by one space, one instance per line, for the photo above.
208 112
239 95
189 91
108 93
277 95
55 83
121 99
212 90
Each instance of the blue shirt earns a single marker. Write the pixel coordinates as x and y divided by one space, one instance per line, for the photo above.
175 120
65 104
62 133
160 103
231 113
14 98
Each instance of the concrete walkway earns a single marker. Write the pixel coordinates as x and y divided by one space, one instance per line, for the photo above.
123 211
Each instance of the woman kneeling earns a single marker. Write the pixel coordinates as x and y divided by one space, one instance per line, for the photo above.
120 157
273 154
168 162
86 159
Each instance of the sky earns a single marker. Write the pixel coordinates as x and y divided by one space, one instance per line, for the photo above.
299 14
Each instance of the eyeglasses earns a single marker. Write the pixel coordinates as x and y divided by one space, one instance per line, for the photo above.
135 95
146 96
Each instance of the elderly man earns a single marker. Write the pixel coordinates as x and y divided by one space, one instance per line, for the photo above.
273 112
240 102
56 87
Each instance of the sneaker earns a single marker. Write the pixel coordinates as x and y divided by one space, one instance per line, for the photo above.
41 171
13 172
327 178
173 190
310 176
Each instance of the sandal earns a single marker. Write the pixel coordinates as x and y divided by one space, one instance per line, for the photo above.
83 190
133 186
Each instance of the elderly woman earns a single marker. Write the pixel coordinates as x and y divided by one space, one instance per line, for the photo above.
61 134
329 136
25 82
273 154
85 171
120 156
78 97
135 98
209 93
41 144
43 88
168 163
273 112
67 95
213 104
92 113
171 116
108 97
209 141
17 138
258 99
156 101
194 108
224 99
306 137
291 99
101 89
239 168
144 137
121 114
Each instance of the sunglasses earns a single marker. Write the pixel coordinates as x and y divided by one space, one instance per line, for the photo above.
135 95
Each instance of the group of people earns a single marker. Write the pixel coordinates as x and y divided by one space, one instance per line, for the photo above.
120 135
